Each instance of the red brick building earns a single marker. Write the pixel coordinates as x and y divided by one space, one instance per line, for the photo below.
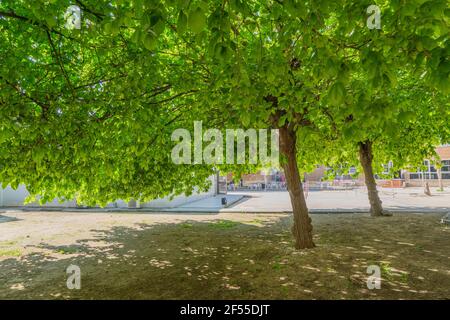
432 175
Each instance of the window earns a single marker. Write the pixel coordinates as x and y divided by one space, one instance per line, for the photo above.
387 167
445 166
430 171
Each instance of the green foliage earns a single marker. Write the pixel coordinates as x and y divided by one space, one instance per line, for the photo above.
88 113
10 252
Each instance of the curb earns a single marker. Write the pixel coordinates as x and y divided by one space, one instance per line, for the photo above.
211 211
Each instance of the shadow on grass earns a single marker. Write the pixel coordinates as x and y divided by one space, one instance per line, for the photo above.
7 219
226 259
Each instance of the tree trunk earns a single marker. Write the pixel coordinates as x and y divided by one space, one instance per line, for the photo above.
427 189
365 156
441 184
302 228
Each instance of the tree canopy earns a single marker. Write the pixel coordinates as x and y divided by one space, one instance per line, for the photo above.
88 111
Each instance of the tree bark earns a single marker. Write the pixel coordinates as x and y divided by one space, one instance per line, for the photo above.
366 156
427 189
302 228
441 184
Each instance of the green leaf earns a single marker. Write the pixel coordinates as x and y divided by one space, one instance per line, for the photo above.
150 41
51 21
337 93
245 119
182 22
197 20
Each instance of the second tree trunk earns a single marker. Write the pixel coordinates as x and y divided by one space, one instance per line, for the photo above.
365 157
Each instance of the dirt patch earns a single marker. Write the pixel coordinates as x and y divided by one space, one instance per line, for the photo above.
224 256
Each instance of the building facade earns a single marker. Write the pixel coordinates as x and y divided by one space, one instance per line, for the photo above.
435 177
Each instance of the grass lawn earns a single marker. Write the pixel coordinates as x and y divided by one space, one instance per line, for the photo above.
225 256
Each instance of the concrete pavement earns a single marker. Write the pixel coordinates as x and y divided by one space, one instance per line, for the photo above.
356 200
337 201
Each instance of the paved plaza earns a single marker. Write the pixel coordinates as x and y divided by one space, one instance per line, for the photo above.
356 200
325 201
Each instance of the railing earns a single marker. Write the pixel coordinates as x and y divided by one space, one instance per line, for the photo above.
310 185
271 186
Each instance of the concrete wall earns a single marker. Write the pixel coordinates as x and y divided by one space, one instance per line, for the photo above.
15 198
431 183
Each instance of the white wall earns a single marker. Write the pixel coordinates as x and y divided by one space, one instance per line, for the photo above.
15 198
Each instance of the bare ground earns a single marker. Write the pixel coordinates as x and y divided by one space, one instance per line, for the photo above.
223 256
